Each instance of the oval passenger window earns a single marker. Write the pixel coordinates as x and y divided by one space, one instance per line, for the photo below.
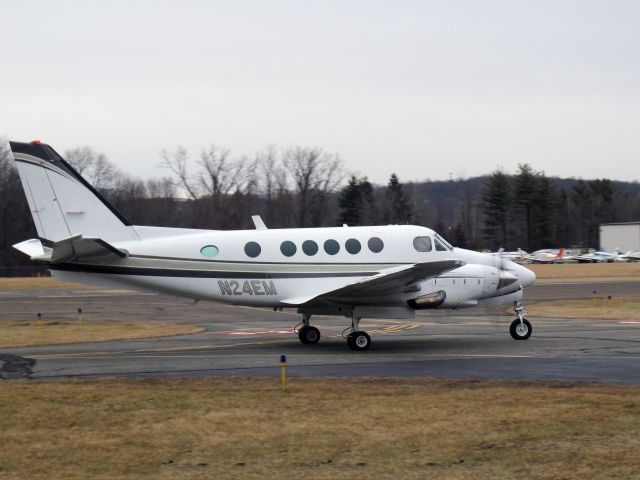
331 247
252 249
375 244
309 247
422 244
209 251
353 246
288 248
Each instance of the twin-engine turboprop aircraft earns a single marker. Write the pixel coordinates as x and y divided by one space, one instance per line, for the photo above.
357 272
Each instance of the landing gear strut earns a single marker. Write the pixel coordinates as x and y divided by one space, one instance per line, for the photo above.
357 339
520 328
306 333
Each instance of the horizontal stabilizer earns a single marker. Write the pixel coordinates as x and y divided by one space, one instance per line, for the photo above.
32 247
71 249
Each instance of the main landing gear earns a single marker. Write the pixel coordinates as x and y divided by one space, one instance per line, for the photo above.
520 328
306 333
357 339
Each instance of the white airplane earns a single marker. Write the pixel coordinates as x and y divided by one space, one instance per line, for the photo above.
550 256
630 256
597 257
355 272
518 256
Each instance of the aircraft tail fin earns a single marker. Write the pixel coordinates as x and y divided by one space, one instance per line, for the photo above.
560 253
62 203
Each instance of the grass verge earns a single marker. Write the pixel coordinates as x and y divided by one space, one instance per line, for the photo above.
328 428
20 334
617 308
19 283
587 272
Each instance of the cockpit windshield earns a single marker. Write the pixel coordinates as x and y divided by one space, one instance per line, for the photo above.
446 244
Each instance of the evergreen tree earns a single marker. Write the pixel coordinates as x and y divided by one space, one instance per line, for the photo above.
355 200
582 198
544 208
593 201
496 206
564 233
397 209
525 195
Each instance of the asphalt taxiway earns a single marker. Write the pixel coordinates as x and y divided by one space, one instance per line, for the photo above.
242 341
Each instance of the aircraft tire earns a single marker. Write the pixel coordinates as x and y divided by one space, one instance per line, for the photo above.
520 332
309 335
359 341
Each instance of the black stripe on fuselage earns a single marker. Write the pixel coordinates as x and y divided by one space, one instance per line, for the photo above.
256 262
171 272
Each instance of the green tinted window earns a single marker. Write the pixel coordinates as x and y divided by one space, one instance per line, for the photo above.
209 251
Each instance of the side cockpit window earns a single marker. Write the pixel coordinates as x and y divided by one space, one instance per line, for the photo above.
440 246
422 244
444 242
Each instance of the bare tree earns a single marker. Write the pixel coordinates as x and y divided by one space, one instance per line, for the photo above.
272 183
315 174
221 175
93 166
177 164
161 188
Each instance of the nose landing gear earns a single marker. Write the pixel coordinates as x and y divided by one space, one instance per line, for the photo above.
520 328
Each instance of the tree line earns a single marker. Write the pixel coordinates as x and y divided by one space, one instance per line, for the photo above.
308 187
529 211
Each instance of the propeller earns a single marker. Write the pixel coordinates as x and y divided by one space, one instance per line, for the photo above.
505 278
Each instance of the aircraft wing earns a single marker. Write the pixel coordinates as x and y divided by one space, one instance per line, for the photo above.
72 249
388 281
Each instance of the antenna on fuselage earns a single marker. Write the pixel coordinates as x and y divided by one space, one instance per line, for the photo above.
257 221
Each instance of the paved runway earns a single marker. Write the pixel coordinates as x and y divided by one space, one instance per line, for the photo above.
241 341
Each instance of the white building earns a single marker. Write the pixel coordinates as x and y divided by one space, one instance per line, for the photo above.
620 236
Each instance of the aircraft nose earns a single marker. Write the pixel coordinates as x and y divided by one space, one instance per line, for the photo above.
525 276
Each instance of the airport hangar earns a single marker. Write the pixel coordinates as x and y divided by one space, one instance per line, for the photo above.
620 236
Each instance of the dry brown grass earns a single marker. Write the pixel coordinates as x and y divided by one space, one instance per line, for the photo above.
328 428
19 283
587 272
617 308
20 334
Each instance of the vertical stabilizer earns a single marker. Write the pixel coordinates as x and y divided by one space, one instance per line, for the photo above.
62 203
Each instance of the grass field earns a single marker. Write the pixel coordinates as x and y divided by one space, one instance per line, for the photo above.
18 283
19 334
347 428
329 428
601 308
587 272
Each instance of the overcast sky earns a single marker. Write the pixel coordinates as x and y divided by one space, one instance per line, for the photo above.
422 88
